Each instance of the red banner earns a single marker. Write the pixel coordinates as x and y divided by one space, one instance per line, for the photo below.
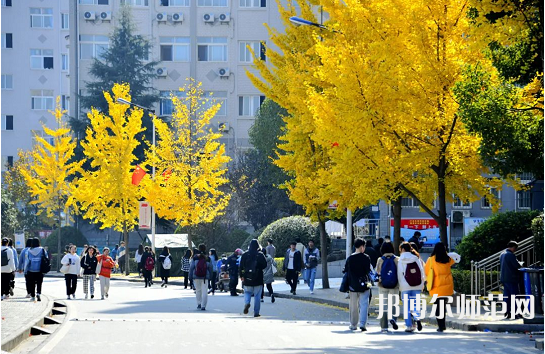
417 224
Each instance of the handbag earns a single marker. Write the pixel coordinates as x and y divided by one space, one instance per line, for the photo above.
274 269
344 288
65 268
99 267
429 277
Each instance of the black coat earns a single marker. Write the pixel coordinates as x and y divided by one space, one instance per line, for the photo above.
358 267
232 266
296 260
246 261
89 264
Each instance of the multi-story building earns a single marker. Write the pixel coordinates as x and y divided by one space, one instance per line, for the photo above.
202 39
34 70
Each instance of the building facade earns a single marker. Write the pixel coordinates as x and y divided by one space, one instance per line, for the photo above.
35 70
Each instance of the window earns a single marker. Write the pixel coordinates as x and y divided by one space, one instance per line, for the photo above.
175 49
174 2
485 203
7 122
7 82
93 46
41 18
461 205
525 177
6 3
246 56
165 105
253 3
248 105
42 100
93 2
7 40
212 3
65 102
41 58
64 62
65 22
212 49
135 2
215 98
523 199
40 134
409 202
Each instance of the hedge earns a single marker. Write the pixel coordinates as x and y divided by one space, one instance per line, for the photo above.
69 234
537 230
462 280
285 230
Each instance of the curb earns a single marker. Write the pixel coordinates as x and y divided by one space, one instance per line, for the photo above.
14 340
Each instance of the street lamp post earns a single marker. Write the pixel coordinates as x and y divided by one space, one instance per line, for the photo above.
153 116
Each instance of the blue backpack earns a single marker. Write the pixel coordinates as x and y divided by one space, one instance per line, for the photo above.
388 272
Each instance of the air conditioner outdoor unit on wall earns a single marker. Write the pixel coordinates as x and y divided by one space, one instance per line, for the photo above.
89 16
178 17
106 16
225 18
457 216
161 17
161 72
223 72
209 18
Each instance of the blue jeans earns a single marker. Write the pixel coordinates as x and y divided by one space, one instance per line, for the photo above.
256 292
311 277
359 306
411 295
509 289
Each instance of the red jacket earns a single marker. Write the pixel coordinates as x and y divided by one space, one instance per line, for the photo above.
107 265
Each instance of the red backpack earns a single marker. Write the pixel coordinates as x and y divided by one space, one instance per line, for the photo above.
201 268
412 275
150 263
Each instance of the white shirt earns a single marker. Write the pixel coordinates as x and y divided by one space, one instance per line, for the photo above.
73 261
290 262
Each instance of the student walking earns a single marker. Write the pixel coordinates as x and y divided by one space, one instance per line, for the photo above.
311 258
251 268
121 257
8 268
165 259
114 255
214 260
358 266
268 275
271 250
89 265
509 275
16 259
387 281
439 264
72 262
148 265
22 262
186 262
138 258
292 266
200 271
107 264
232 268
33 271
411 277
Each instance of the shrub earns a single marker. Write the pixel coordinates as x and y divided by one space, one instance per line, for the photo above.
285 230
235 239
537 230
69 234
462 280
493 235
279 264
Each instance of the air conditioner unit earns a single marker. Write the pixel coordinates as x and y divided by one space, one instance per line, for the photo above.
223 72
106 16
209 18
161 17
225 18
161 72
223 127
457 216
178 17
89 16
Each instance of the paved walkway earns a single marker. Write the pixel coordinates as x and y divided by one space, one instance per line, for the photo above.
19 314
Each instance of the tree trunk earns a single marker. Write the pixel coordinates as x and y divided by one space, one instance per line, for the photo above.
189 240
323 243
396 212
126 239
442 221
59 244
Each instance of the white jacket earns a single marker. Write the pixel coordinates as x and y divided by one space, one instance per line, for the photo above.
405 259
11 263
73 261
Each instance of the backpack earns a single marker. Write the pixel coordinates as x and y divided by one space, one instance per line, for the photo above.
45 265
412 274
5 259
250 271
201 268
150 263
388 273
167 263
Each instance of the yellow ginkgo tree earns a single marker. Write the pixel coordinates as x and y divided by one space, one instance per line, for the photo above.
49 168
105 193
190 161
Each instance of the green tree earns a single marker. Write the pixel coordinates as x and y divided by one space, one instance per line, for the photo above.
10 222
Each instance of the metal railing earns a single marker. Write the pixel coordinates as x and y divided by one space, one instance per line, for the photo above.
485 274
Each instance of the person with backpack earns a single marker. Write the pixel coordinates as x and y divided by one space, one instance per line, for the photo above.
34 269
251 268
232 268
14 251
72 263
411 277
387 281
165 259
186 262
22 261
147 264
200 271
358 267
107 264
311 257
213 259
439 266
138 258
8 268
268 274
292 266
89 265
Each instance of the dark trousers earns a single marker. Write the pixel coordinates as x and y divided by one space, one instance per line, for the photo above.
233 282
269 288
186 278
441 304
509 289
212 282
35 279
165 274
292 278
71 281
6 281
147 276
121 262
27 284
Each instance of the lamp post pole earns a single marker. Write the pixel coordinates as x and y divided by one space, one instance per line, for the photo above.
151 112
